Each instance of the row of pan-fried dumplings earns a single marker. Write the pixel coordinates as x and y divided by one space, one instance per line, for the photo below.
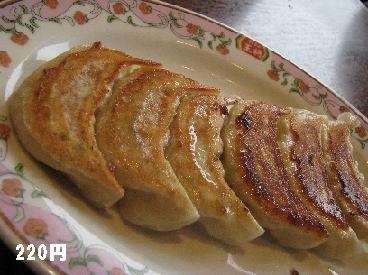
114 123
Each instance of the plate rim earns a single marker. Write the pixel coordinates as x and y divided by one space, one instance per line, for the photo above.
333 91
11 239
233 30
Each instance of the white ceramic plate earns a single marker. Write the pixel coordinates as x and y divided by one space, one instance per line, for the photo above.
38 205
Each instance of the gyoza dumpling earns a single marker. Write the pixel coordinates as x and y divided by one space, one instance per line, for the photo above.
194 150
301 144
346 180
132 131
53 113
256 172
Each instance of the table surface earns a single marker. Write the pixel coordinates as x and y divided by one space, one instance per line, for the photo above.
329 39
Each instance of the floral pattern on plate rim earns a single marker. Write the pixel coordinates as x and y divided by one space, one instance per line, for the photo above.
26 210
159 15
23 207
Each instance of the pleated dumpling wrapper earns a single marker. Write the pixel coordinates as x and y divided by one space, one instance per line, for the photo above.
256 172
53 113
194 152
132 132
301 140
347 182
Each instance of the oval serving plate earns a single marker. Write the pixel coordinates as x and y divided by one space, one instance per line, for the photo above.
39 206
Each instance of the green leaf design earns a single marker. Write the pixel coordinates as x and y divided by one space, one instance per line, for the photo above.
7 20
94 259
76 261
130 21
362 144
24 9
33 22
68 19
222 35
201 33
79 2
20 194
19 20
30 27
281 66
285 74
55 19
210 44
284 82
111 18
13 11
174 20
297 82
294 90
317 96
200 43
6 30
75 243
19 169
38 193
42 237
19 214
273 67
227 42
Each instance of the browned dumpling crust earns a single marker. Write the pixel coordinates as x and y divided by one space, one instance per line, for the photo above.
132 131
300 135
347 181
194 153
112 122
255 170
53 113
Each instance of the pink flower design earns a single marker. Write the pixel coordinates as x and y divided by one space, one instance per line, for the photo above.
36 228
273 75
192 29
361 132
118 8
5 59
80 17
344 109
19 38
221 48
4 131
52 4
304 87
145 8
12 187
